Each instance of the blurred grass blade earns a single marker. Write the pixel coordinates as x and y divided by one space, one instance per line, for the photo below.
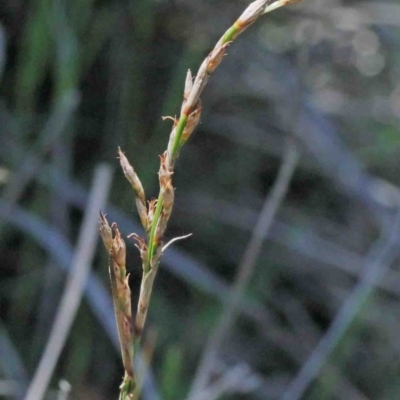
34 56
74 288
10 362
3 48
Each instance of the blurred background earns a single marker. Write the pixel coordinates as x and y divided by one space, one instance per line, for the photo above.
310 93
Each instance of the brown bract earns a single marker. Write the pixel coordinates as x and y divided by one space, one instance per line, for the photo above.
133 179
166 196
215 57
118 248
152 209
187 89
140 244
193 121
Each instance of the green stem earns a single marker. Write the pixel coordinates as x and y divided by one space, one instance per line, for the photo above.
128 389
175 148
178 135
230 34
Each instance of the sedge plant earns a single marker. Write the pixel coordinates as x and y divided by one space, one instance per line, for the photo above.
154 214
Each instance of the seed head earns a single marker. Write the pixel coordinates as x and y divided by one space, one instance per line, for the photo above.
251 13
118 248
192 122
105 231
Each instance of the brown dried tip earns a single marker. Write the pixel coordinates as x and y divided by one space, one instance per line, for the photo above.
140 244
131 175
137 186
188 89
167 191
105 231
164 172
118 249
251 13
192 122
152 209
188 84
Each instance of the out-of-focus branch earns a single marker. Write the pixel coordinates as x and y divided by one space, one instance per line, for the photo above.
259 233
11 365
246 267
237 379
75 285
377 262
309 244
26 170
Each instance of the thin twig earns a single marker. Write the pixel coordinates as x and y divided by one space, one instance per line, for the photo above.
246 267
377 262
311 246
59 214
75 285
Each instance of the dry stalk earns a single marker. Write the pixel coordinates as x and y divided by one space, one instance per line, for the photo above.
154 216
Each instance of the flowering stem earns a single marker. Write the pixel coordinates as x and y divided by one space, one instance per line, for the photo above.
175 148
229 35
178 135
155 216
